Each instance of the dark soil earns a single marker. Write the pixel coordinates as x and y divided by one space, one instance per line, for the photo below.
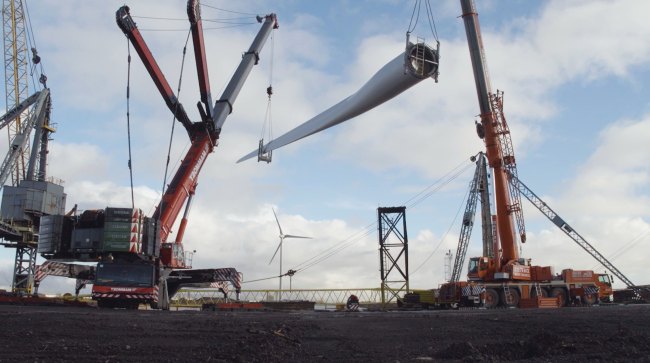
54 334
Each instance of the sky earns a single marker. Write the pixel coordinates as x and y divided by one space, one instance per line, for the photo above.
576 81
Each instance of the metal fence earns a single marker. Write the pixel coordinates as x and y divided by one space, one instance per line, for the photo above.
196 297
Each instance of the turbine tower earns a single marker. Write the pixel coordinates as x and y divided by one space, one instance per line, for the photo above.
279 248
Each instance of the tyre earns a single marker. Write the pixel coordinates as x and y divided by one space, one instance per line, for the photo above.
513 301
491 298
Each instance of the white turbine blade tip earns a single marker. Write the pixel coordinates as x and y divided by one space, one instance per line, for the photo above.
292 236
247 156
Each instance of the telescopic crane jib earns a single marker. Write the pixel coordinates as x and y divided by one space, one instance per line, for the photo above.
488 129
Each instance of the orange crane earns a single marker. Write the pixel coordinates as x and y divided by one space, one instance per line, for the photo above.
504 278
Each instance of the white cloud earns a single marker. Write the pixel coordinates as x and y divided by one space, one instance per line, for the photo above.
618 170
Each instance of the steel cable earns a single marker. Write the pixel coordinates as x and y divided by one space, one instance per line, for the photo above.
128 116
370 228
171 136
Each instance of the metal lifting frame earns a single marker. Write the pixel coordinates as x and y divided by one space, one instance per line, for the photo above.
388 225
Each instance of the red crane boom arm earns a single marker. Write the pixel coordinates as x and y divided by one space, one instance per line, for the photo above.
128 26
183 184
196 26
204 134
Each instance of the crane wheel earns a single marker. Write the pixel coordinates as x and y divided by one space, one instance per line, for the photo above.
491 298
513 301
561 292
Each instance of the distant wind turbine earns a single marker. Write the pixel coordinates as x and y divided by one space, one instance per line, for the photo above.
279 248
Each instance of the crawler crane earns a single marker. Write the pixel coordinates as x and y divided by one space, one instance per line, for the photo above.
138 263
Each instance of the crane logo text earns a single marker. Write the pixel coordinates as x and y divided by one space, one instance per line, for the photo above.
197 167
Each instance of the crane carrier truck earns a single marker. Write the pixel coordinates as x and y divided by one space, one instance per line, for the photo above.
501 277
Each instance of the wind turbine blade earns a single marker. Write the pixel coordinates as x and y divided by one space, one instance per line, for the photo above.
292 236
276 219
395 77
276 251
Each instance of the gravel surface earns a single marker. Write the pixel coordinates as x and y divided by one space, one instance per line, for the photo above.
56 334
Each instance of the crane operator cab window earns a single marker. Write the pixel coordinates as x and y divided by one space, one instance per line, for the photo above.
114 274
604 278
473 265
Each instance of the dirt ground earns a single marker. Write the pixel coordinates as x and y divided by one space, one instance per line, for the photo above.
55 334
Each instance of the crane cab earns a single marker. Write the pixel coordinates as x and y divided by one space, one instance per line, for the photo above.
480 268
172 255
604 284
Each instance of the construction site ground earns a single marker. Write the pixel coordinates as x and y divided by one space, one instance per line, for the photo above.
619 333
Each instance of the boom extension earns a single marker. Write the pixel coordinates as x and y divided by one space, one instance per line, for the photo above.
194 15
128 26
249 59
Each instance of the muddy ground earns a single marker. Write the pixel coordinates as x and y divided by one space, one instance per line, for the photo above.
54 334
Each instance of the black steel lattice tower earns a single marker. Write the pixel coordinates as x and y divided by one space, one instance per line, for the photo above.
393 252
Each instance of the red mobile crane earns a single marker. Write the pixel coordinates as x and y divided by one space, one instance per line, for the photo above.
147 268
204 137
